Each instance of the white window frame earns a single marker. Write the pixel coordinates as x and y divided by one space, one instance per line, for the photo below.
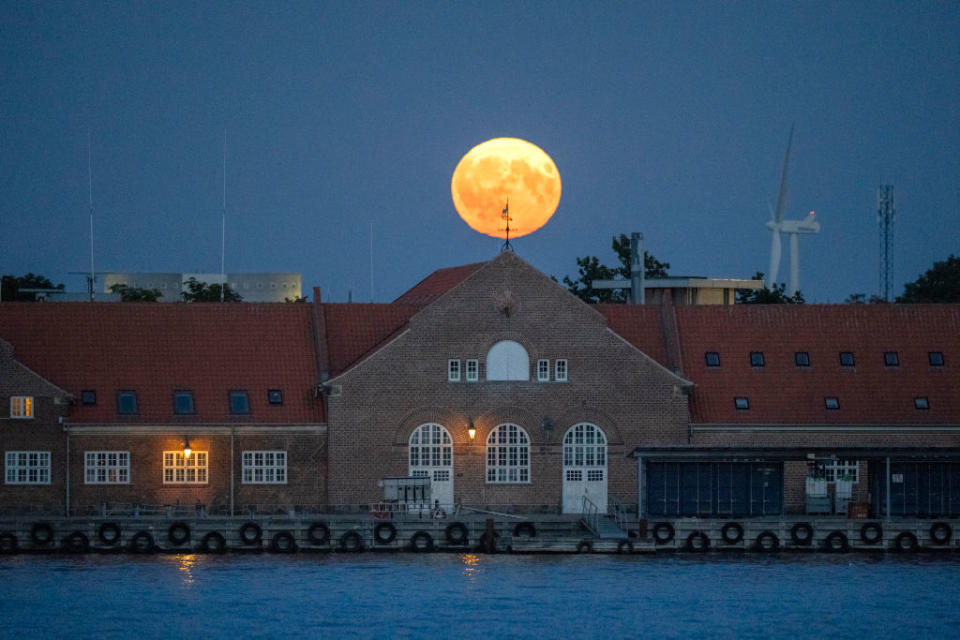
453 370
508 455
268 466
178 469
106 467
839 468
473 370
27 467
430 447
543 371
560 370
21 407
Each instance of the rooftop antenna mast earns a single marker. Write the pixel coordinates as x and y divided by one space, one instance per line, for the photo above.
505 214
886 212
91 279
223 221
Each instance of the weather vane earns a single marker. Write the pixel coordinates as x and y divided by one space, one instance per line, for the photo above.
505 214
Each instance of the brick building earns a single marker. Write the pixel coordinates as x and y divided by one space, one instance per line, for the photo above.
492 384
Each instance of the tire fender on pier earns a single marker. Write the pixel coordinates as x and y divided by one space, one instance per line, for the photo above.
318 533
351 541
421 541
456 533
663 532
41 534
525 529
801 533
385 533
698 541
836 542
871 533
283 542
767 541
732 532
940 533
251 533
142 542
178 533
108 533
906 542
76 542
8 542
213 542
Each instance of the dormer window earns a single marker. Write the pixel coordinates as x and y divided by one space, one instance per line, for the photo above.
712 358
21 407
891 359
935 358
127 403
801 358
756 358
275 397
846 359
921 404
741 403
183 402
88 397
239 402
831 403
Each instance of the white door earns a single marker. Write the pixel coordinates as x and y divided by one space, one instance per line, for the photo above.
431 456
584 468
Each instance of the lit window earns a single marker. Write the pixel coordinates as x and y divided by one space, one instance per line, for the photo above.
431 447
921 403
741 403
712 358
106 467
560 371
21 407
264 467
88 397
28 467
127 403
543 370
891 359
473 370
178 469
936 358
842 469
275 396
239 402
831 402
846 359
183 402
756 358
508 455
453 371
801 359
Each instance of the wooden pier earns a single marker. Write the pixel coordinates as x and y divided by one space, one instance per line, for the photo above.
474 532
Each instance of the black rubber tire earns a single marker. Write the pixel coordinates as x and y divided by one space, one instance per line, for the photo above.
698 542
625 546
108 533
663 532
457 533
41 534
525 529
767 541
8 543
318 533
906 542
351 541
391 533
801 534
421 542
940 533
283 542
142 542
178 533
871 533
584 546
213 542
251 533
836 542
737 529
76 542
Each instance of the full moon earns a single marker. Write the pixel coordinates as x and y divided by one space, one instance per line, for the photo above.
505 170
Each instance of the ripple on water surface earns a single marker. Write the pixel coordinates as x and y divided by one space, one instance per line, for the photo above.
470 595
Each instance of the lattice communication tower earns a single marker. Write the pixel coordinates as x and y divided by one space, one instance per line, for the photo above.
886 212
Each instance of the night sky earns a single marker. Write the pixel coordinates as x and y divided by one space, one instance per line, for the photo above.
665 118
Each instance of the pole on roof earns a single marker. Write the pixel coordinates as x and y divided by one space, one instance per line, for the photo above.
92 277
636 268
223 221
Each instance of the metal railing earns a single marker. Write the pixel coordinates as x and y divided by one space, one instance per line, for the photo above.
620 515
591 516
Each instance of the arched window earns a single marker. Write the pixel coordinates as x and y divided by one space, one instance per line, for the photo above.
585 446
430 447
508 360
508 455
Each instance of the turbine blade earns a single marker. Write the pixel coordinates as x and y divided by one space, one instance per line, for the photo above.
782 196
774 259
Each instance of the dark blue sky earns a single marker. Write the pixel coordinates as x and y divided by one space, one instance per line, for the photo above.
666 118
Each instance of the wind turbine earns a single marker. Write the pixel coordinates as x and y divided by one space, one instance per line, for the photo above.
778 225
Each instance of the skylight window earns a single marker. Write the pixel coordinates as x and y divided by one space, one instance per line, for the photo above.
756 358
88 397
183 402
831 402
127 403
239 402
891 358
935 358
741 403
801 358
921 403
275 396
846 359
712 358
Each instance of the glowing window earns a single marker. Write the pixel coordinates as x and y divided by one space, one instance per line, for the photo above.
178 469
106 467
508 360
264 467
430 447
21 407
28 467
508 455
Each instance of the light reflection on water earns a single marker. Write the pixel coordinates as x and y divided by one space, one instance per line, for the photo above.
381 595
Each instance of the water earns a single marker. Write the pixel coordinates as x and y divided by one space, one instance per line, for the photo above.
477 596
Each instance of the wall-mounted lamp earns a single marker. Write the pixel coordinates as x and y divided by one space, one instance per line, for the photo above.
472 430
546 424
186 448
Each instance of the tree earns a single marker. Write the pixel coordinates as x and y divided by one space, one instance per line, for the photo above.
766 295
590 269
10 290
861 298
202 292
941 283
297 299
136 294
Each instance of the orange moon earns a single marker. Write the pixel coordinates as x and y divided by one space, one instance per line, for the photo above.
505 169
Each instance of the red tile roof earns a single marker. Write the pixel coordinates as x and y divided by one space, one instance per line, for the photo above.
781 392
638 324
355 330
436 284
155 348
